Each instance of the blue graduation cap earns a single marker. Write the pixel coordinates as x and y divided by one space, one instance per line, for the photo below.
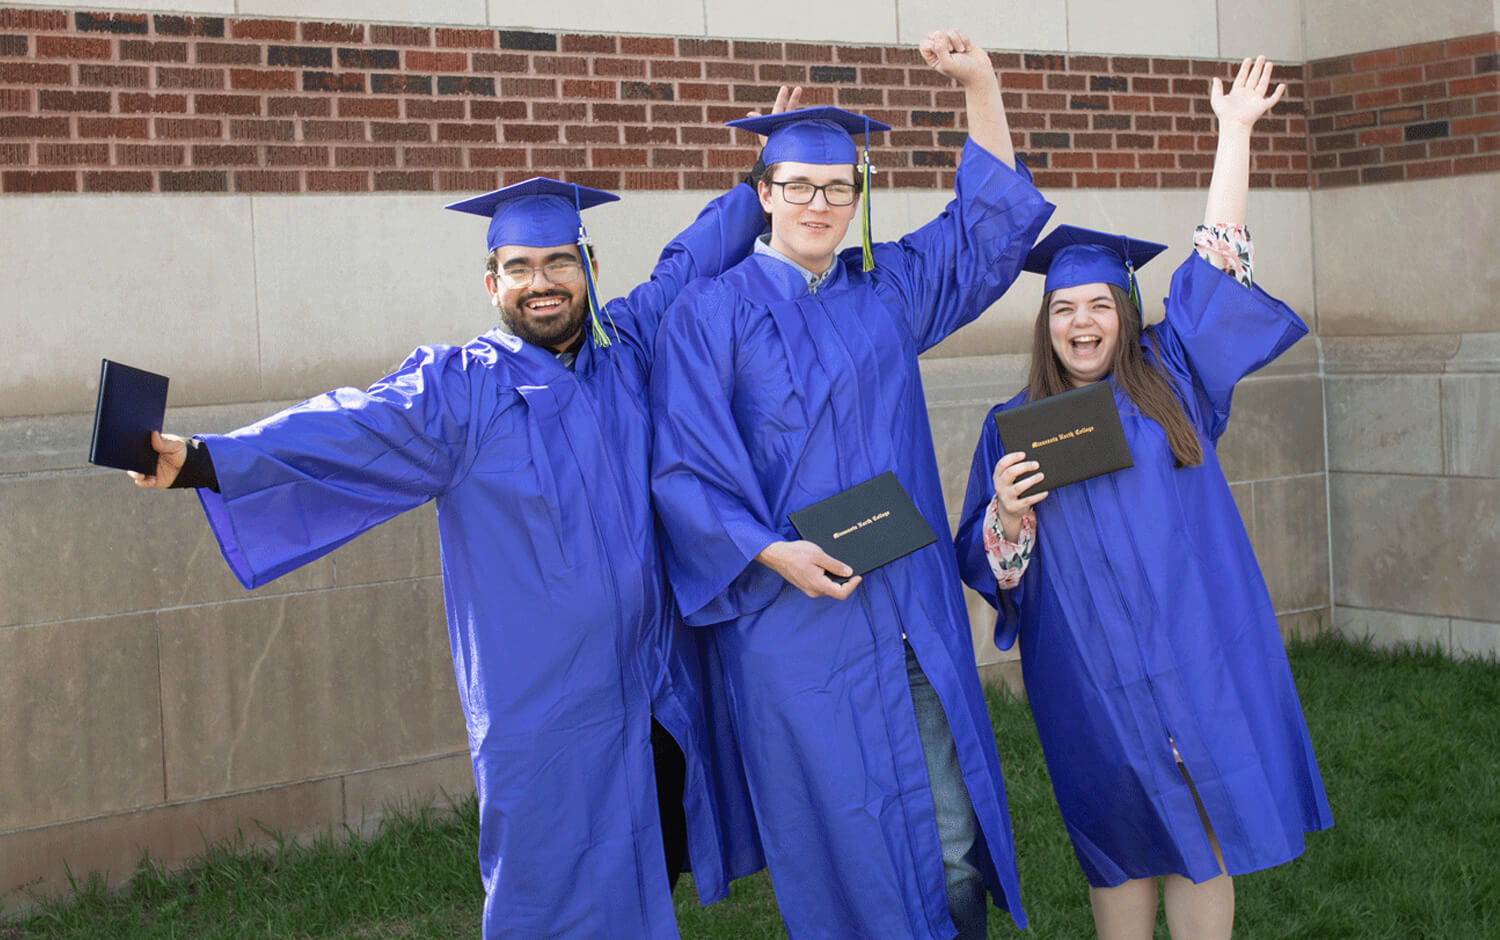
1071 255
539 213
822 136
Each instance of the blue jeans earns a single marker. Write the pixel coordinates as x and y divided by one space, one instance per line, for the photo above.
958 828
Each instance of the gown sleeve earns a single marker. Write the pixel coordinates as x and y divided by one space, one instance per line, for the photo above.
719 238
703 483
1216 332
300 483
973 560
950 270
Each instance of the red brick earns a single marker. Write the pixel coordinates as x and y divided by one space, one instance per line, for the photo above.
95 101
1380 59
620 157
1431 169
135 128
469 133
262 80
118 181
862 55
432 156
1068 122
297 156
1356 119
1400 115
696 136
187 128
481 110
464 38
1062 82
1160 104
497 156
33 20
299 107
1140 180
575 88
1378 99
50 154
676 68
1423 52
505 62
1156 161
530 133
528 87
687 114
410 132
267 181
364 156
1432 91
1476 125
140 50
1363 81
369 107
1453 68
620 113
49 181
1476 85
201 79
1398 154
263 29
31 73
674 157
346 181
709 179
1461 147
1398 76
423 109
558 157
144 103
16 99
472 180
1290 181
1382 174
226 104
594 44
114 76
1490 143
262 130
1091 141
72 47
333 32
400 36
703 48
592 134
808 52
1070 160
150 155
1484 163
652 180
1453 107
228 53
1116 161
1380 136
1470 45
403 180
333 130
648 46
422 61
224 155
560 65
695 91
631 68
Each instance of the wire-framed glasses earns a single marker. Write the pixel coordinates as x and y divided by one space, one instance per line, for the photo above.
563 271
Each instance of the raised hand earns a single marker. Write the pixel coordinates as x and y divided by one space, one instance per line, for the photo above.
1246 99
955 55
788 98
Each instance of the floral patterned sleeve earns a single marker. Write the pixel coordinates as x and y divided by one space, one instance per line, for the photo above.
1228 248
1008 560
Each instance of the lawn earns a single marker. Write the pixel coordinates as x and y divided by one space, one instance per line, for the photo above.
1408 742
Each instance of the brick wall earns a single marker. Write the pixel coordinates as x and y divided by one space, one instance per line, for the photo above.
101 102
1406 113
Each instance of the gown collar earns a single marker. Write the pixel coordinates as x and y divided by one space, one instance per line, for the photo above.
790 276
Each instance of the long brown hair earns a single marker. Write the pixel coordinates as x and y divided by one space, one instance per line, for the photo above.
1143 381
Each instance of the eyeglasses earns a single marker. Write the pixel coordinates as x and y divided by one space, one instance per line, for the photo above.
565 271
800 193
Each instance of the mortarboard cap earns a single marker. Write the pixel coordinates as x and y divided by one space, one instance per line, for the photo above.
822 136
540 213
1070 256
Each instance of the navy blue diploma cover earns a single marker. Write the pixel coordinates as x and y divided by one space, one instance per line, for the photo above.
1074 435
868 525
132 403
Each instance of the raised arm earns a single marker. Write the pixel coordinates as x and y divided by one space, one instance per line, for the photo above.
955 55
1237 109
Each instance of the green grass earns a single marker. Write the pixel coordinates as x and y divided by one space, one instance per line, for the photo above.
1408 742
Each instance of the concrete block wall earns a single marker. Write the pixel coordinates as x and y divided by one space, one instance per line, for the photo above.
154 704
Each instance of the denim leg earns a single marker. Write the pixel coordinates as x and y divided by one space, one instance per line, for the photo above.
958 828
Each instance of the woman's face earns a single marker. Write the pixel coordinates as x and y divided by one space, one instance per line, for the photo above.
1085 330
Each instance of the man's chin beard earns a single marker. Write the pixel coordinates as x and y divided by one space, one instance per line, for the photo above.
515 322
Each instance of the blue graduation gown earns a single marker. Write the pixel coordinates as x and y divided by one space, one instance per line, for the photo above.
770 398
562 632
1144 620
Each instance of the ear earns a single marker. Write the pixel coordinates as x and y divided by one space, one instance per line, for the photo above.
492 286
763 189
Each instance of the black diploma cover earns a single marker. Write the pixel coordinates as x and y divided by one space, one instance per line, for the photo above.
132 403
1073 435
866 526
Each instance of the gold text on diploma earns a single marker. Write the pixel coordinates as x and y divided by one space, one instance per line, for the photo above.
1076 432
860 525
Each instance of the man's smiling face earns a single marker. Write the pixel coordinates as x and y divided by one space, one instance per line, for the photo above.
544 312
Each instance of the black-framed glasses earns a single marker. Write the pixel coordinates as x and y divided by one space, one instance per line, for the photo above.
564 271
800 192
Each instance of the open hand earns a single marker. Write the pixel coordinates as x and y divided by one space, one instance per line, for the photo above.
171 451
1246 99
955 55
806 567
788 98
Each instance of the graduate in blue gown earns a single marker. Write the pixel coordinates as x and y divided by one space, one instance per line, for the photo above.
1150 649
534 441
871 761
